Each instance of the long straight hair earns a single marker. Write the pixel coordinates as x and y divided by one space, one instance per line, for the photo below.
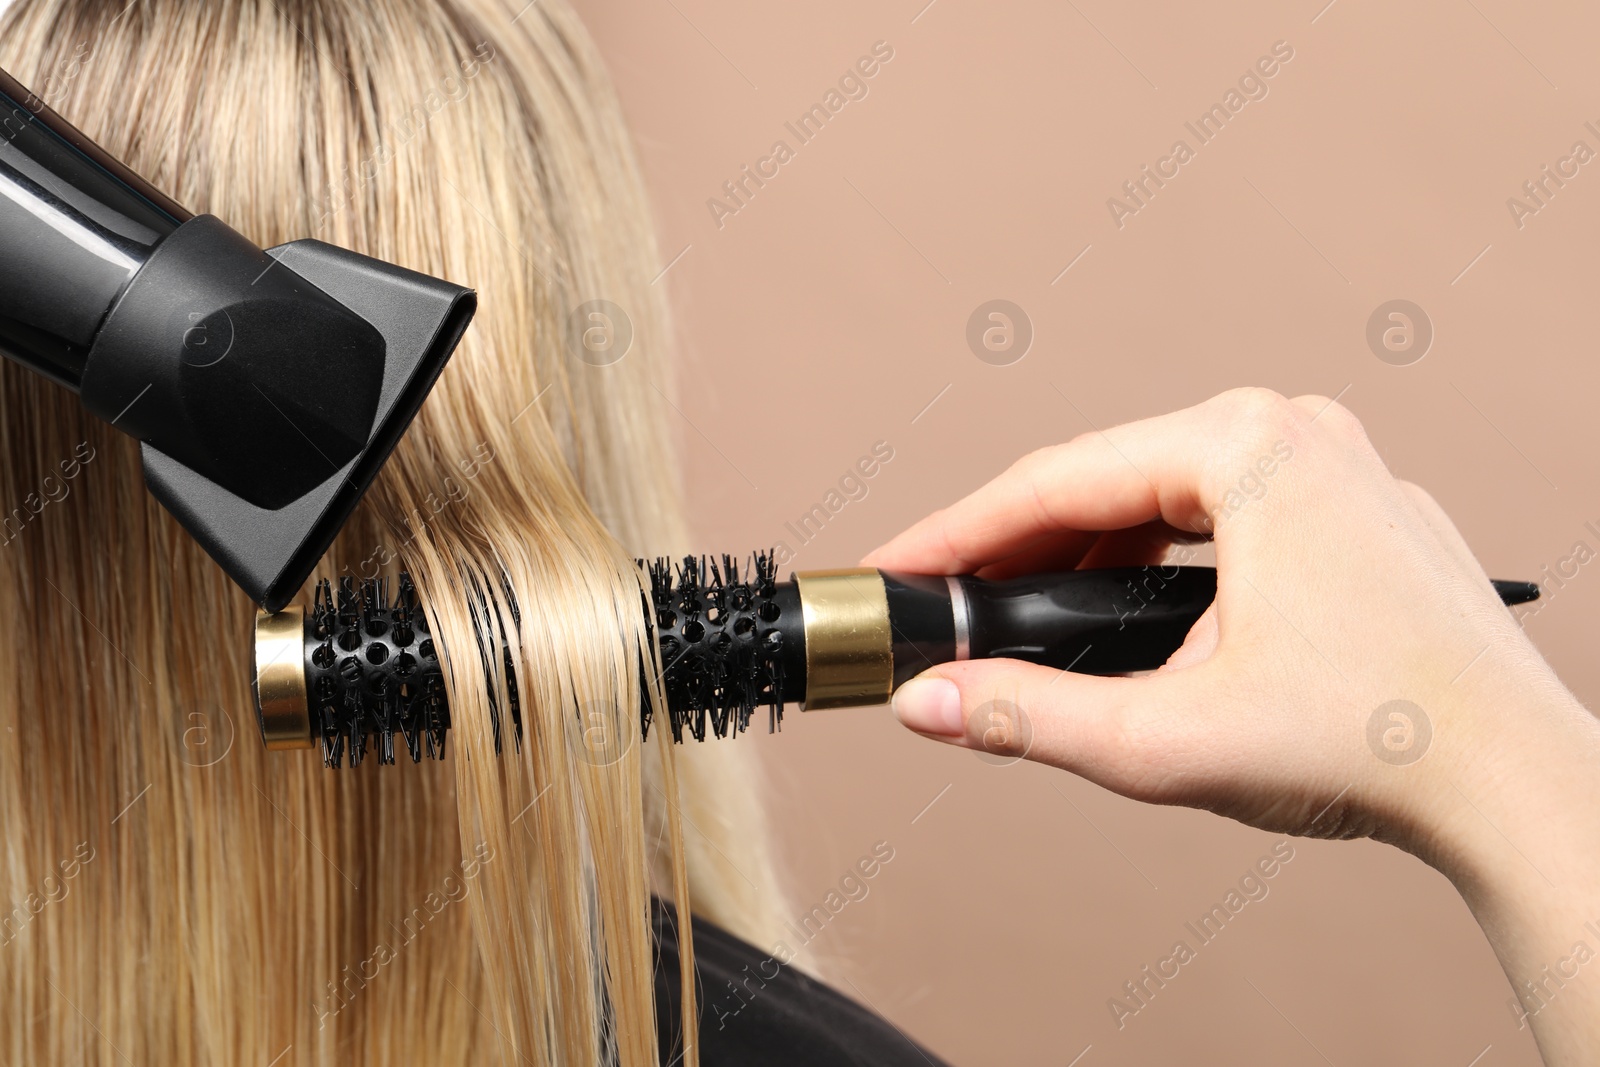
169 892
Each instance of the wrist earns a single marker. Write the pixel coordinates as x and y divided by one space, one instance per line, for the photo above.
1513 798
1515 789
1518 844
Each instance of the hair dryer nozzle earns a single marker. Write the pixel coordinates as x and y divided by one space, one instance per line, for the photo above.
268 388
265 387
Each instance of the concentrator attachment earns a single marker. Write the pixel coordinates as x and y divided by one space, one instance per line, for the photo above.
365 666
266 387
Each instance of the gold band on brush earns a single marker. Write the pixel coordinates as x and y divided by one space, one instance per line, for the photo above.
849 658
281 680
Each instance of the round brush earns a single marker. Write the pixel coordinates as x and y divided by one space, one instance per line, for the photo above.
362 665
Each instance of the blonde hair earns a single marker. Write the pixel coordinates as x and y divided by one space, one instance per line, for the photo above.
202 901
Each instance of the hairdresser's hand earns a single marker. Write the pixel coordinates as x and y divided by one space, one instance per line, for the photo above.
1339 591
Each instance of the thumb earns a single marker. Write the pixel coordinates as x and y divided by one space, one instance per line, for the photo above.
1128 734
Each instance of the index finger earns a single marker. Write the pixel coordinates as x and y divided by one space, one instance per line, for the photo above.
1106 480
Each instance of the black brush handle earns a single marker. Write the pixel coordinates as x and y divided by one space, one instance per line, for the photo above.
1102 621
1093 622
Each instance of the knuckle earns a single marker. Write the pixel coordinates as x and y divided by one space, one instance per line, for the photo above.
954 548
1255 408
1034 463
1080 439
1255 427
1038 469
1332 415
1417 494
1427 506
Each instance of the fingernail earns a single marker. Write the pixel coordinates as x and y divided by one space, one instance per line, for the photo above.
930 706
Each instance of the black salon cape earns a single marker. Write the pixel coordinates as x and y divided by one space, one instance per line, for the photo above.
780 1021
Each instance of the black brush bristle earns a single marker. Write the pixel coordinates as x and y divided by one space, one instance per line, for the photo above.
373 672
721 645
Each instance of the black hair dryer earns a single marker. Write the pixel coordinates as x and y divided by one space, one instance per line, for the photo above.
266 388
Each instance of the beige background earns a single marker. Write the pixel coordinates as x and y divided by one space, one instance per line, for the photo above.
832 308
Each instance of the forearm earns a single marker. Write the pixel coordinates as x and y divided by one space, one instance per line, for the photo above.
1518 833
